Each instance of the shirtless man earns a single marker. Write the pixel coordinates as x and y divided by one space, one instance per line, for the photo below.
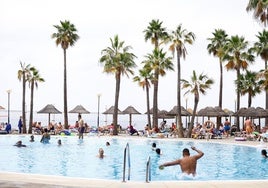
187 163
248 126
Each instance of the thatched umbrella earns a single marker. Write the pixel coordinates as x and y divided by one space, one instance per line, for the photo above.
111 111
212 112
174 112
130 110
151 111
79 109
242 112
163 114
2 108
49 109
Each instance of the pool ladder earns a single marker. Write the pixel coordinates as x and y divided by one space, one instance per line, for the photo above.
148 170
125 158
148 166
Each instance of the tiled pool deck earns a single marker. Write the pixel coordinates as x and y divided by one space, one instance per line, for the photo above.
20 180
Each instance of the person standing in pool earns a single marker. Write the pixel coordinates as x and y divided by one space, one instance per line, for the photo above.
81 128
187 162
264 154
45 137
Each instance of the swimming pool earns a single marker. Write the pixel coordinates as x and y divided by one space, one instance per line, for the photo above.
79 158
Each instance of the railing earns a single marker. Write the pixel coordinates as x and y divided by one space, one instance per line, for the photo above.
125 158
148 170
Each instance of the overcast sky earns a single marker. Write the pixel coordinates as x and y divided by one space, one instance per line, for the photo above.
27 25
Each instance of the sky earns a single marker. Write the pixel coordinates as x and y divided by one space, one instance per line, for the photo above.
25 36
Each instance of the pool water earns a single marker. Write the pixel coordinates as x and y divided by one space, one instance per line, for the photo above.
76 158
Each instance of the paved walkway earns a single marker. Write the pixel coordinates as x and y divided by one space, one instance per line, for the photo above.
20 180
16 180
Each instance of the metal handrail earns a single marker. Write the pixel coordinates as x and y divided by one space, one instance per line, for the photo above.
148 170
124 167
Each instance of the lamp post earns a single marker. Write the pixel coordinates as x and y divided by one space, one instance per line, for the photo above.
8 106
98 119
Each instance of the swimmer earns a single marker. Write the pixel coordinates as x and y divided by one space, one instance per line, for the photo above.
32 138
45 137
264 154
158 151
101 153
187 163
59 142
153 146
107 143
19 144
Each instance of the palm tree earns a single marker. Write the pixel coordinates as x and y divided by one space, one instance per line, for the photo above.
261 48
197 84
216 48
249 84
66 36
263 76
158 35
119 61
158 63
23 75
238 57
260 10
34 78
144 78
179 38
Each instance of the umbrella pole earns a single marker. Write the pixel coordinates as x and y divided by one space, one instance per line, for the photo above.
130 119
48 118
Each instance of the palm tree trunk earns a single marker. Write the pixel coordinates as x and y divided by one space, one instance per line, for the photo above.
237 99
65 102
31 108
266 96
148 105
155 104
24 130
196 100
249 100
117 90
220 93
179 121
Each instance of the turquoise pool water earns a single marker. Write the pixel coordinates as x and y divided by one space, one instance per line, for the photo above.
79 158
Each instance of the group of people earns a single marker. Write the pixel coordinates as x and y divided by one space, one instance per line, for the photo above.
44 139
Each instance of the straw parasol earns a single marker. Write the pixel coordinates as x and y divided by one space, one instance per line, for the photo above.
174 112
151 111
130 110
2 108
111 111
212 112
49 109
79 109
241 112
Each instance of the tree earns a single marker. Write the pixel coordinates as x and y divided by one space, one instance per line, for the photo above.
144 78
249 84
260 10
238 57
197 84
34 78
261 49
158 35
66 36
158 64
23 75
179 38
216 48
118 61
